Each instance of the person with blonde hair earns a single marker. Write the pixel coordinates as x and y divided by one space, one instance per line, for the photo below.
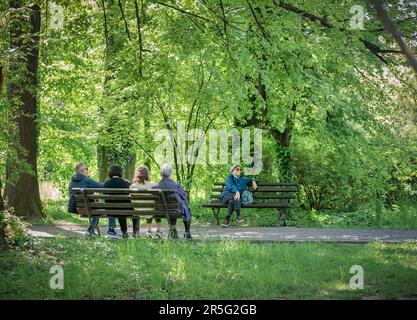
141 182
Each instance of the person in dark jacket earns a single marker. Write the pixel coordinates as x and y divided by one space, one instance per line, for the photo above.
235 185
181 195
116 181
80 179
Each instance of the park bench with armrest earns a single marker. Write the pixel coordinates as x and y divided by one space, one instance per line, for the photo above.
91 202
268 195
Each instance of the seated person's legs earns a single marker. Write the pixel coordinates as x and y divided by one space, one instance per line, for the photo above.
158 232
238 205
112 228
187 226
228 199
149 226
123 226
136 222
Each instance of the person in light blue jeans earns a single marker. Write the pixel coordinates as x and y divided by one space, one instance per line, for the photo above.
80 179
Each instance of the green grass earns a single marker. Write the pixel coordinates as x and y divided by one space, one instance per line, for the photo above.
146 269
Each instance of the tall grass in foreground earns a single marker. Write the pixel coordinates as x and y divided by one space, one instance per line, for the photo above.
145 269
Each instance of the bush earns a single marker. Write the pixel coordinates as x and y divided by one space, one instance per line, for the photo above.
13 230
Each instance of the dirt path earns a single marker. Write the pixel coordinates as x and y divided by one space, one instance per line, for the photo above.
286 234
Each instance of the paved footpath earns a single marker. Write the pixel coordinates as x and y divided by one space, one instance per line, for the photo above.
256 234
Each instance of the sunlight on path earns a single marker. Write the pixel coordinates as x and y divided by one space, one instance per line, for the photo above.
260 234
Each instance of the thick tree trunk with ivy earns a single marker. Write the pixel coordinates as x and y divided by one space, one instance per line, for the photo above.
22 186
282 139
283 151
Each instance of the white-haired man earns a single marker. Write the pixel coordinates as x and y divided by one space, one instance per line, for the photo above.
80 179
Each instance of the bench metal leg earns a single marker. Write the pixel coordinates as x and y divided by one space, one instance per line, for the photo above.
172 233
96 227
216 213
98 230
90 220
282 221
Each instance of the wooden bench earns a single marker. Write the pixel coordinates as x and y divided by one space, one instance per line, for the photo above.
268 195
91 202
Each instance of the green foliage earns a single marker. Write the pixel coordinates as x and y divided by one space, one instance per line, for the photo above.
56 212
13 230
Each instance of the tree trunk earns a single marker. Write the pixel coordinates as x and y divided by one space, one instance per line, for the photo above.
148 160
283 152
2 207
22 186
3 242
129 170
107 153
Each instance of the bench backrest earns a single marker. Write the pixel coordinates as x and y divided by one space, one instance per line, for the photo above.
267 191
126 202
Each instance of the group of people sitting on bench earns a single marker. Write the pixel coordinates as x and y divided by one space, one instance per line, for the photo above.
231 195
140 181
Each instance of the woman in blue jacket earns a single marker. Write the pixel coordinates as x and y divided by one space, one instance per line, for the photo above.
235 185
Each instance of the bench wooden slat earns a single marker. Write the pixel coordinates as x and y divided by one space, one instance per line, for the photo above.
261 196
132 205
161 213
262 190
266 183
80 197
252 205
114 191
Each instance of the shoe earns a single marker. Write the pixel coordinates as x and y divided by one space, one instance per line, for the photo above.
90 233
239 219
112 234
173 234
159 234
125 235
225 223
187 235
149 233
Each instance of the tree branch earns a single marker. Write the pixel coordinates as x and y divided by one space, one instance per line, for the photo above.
375 49
182 11
383 15
124 19
140 42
